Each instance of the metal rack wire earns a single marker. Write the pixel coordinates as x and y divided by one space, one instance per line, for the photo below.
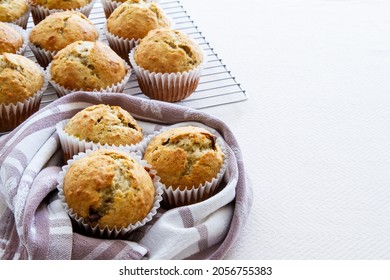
217 85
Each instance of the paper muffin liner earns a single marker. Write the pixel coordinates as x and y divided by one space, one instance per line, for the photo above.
23 20
109 6
175 197
106 232
122 46
43 57
11 115
169 87
22 33
39 13
118 87
71 145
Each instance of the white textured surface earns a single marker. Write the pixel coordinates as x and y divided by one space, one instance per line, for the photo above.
315 131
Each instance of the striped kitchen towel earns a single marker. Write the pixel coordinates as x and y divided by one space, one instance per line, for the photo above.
34 224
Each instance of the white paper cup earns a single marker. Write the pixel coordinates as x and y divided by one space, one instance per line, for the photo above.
169 87
11 115
106 232
43 57
122 46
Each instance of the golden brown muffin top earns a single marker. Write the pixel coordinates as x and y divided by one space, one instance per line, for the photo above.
88 66
10 39
60 29
60 4
168 51
20 78
109 188
11 10
185 156
105 124
134 19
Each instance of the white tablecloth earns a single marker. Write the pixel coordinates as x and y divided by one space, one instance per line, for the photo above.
315 131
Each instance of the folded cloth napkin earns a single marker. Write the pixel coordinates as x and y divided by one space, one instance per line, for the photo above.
34 224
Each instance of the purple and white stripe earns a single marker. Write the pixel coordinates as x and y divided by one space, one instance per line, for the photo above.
35 226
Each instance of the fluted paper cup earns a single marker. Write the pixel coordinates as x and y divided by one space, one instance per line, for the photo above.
11 115
106 232
169 87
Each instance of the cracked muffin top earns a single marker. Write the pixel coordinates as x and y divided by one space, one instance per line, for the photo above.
168 51
88 66
10 39
20 78
134 19
11 10
60 4
105 124
185 156
109 188
60 29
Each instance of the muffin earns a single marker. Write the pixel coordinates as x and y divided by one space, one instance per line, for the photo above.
168 64
110 5
42 8
57 31
14 11
13 38
132 21
98 125
22 83
109 191
88 66
190 162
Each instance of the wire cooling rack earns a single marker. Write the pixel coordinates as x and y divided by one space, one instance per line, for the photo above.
217 85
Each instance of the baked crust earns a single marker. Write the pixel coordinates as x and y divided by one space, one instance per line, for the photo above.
20 78
11 10
109 188
10 40
134 19
60 29
168 51
105 124
60 4
185 157
88 66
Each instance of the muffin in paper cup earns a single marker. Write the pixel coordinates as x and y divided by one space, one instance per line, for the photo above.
13 114
39 12
168 65
181 194
23 34
109 6
115 210
169 87
72 145
118 87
